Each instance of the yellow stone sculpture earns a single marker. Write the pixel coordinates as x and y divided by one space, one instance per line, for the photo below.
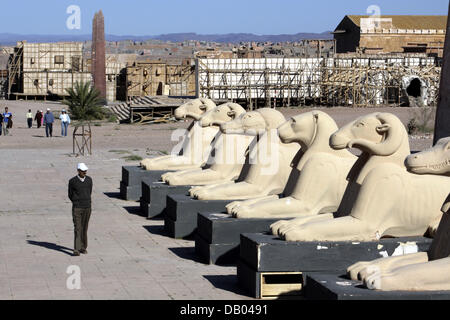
269 158
323 172
196 144
390 202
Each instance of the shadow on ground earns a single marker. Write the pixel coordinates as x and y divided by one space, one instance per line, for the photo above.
226 282
135 210
187 253
51 246
158 230
113 195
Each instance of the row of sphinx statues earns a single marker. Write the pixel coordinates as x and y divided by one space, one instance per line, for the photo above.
356 183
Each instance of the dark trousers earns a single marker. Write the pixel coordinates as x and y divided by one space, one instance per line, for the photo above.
38 122
49 129
30 122
81 221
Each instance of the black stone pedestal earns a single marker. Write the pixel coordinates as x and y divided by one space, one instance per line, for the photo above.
154 196
130 186
337 286
129 193
182 210
218 236
262 255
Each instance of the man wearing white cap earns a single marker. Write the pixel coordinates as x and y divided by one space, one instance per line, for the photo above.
48 122
80 190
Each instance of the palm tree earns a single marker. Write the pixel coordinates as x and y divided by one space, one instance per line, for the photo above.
85 105
84 102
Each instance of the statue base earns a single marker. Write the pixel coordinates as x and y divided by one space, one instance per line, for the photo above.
130 193
322 286
132 176
181 213
218 236
154 196
262 256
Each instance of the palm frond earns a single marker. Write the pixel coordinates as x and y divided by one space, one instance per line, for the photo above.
84 102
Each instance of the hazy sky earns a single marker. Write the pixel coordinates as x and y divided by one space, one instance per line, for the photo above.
153 17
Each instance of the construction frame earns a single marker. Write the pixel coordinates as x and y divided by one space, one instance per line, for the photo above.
348 81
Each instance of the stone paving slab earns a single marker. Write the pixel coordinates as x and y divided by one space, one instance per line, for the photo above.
129 257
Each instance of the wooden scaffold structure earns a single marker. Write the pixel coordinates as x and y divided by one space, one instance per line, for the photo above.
366 82
82 139
354 81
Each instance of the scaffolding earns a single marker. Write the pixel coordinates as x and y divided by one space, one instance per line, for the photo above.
45 69
14 69
181 79
3 83
155 78
367 82
357 81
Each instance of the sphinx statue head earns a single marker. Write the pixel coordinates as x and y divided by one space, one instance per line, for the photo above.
194 109
379 134
307 129
254 122
221 114
435 160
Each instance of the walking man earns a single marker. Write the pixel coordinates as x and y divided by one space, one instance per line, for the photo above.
65 121
30 119
48 121
80 190
38 118
6 117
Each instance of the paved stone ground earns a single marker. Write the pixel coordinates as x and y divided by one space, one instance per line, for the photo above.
129 257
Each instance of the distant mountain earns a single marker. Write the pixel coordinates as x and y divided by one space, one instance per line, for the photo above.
242 37
11 39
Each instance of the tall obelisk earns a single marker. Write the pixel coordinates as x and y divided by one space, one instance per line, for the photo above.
98 53
442 124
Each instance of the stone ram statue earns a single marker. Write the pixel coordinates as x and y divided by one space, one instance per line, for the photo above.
323 172
391 201
196 144
270 160
423 271
228 158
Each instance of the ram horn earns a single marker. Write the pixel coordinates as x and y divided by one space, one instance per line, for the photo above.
236 110
208 103
392 129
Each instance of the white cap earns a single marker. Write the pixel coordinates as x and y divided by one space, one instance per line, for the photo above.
82 167
48 109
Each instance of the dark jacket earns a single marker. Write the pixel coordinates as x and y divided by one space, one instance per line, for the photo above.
10 123
38 116
80 192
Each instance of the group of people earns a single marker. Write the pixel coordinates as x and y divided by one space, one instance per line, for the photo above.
41 119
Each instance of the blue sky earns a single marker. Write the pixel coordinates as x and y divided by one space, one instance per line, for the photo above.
151 17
